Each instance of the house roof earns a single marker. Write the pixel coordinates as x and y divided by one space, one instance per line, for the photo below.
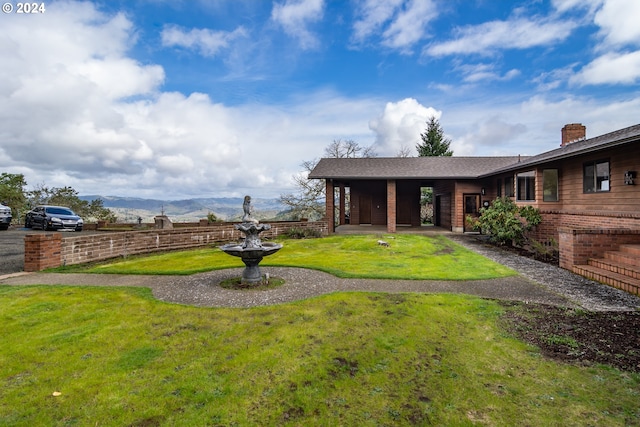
426 168
591 145
409 167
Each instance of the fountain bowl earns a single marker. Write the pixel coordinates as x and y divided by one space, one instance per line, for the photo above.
251 257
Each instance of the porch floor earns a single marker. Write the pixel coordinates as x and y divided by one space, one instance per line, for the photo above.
382 229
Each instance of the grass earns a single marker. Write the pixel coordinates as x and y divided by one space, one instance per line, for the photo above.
116 356
406 257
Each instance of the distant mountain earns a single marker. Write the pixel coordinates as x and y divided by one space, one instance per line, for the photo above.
128 209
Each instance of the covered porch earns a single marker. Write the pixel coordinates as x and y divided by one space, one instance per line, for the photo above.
386 191
382 229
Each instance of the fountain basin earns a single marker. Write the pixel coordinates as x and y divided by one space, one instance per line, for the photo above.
251 257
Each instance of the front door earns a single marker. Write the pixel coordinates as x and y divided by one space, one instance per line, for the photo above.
365 208
471 209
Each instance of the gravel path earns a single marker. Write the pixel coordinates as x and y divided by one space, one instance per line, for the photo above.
537 283
585 293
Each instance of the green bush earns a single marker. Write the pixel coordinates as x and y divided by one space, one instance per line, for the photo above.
505 222
302 233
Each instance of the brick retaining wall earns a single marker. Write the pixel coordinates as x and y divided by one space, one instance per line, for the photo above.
553 220
53 250
578 245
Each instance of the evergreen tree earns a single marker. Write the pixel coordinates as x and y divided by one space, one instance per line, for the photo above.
433 141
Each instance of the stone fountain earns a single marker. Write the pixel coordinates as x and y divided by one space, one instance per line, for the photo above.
251 250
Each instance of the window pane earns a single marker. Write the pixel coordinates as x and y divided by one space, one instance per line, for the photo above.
589 173
526 186
596 177
508 187
602 176
550 185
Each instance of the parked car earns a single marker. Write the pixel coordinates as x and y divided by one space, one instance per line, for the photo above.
5 217
53 218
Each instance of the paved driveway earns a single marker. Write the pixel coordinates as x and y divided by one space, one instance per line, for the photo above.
12 248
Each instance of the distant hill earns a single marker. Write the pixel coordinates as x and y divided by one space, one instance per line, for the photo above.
128 209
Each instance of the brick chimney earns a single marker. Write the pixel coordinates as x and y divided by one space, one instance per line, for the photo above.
573 132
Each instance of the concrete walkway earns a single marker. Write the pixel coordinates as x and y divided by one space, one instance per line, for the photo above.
536 283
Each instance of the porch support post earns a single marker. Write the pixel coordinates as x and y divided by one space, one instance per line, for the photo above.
329 206
391 205
342 205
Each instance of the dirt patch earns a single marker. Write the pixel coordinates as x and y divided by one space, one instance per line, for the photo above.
578 336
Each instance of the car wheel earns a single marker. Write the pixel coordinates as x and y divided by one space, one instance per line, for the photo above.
27 222
78 228
44 225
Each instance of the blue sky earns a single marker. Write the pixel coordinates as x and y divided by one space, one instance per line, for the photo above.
177 99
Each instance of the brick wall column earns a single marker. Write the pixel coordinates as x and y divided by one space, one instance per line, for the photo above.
566 246
391 206
42 251
330 208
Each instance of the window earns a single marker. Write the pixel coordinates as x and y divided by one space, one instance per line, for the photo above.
499 187
550 185
596 176
508 186
526 185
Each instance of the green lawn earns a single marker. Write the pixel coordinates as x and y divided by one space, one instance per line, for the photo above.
406 257
116 356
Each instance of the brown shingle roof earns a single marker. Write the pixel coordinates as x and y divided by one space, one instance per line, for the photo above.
460 167
608 140
409 167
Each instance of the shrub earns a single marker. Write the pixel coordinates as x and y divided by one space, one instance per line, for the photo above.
505 222
302 233
545 251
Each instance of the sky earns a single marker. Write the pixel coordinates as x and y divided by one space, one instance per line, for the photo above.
174 99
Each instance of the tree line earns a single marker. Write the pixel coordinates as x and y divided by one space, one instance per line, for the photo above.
13 193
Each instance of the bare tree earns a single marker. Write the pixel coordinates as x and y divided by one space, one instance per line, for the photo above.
309 200
405 151
348 148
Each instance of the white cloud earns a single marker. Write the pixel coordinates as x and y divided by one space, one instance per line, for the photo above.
409 25
618 22
491 132
484 72
563 6
515 33
80 112
295 16
206 41
77 109
506 127
374 14
610 68
619 32
401 23
400 125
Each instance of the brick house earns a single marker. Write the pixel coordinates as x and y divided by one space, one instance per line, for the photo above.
588 191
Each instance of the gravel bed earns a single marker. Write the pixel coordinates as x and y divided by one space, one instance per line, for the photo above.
585 293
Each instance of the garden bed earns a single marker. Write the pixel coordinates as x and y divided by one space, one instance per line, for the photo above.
578 336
